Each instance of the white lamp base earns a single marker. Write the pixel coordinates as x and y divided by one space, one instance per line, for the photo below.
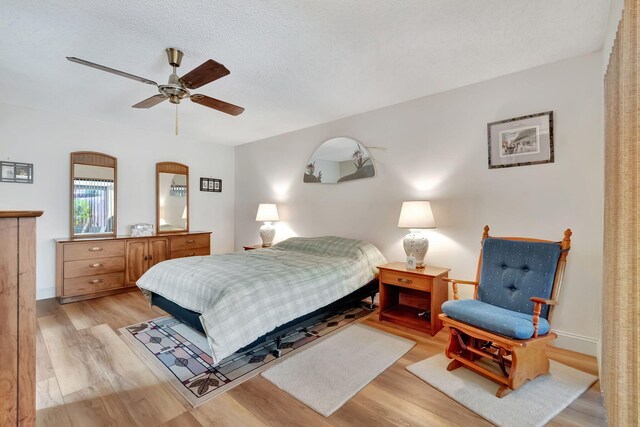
416 245
267 233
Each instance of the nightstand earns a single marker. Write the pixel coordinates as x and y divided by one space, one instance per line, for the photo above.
252 247
412 298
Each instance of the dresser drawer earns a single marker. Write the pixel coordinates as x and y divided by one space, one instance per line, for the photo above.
92 250
189 242
190 252
91 284
406 280
90 267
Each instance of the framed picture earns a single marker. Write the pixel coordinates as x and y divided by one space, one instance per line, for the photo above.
16 172
211 185
217 185
521 141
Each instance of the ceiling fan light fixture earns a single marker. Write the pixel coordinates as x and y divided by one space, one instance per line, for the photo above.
174 99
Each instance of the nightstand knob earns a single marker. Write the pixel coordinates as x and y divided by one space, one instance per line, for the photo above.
407 281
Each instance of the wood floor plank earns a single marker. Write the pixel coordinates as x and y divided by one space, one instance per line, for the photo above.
50 407
273 406
144 394
73 365
186 419
82 315
98 405
225 411
399 411
44 369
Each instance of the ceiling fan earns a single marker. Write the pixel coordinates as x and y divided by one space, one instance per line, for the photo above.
177 88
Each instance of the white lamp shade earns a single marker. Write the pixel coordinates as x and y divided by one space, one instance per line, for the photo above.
267 212
416 214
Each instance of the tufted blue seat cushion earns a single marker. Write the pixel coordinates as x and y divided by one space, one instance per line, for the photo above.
494 319
514 271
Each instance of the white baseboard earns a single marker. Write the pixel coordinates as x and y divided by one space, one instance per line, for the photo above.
44 293
576 342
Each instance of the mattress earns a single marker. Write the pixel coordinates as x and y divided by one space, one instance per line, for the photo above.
241 296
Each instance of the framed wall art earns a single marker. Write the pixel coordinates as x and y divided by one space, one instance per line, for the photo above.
521 141
16 172
211 184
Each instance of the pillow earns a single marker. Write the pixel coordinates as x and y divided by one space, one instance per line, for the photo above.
326 245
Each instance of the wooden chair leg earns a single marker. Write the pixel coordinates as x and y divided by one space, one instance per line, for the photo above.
502 391
453 365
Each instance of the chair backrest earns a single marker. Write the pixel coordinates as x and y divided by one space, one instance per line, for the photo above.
511 270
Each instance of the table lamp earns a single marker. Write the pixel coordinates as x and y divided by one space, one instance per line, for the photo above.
416 215
267 212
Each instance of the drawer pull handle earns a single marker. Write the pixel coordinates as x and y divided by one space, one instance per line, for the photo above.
96 265
95 249
191 241
407 281
96 281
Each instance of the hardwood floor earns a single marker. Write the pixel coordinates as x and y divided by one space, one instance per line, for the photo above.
87 376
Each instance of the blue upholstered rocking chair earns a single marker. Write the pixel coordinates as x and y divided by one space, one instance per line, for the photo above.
508 321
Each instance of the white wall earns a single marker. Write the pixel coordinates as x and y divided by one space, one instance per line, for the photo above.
436 148
46 139
615 14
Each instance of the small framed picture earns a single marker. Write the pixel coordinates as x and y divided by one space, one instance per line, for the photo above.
521 141
8 172
217 185
16 172
23 172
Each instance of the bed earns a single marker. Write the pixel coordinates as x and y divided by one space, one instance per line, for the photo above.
239 298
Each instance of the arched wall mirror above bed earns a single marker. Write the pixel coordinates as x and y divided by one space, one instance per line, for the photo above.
172 197
94 185
339 160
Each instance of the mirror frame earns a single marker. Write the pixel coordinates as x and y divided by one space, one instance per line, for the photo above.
93 158
175 168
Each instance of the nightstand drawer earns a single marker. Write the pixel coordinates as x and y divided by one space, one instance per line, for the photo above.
406 280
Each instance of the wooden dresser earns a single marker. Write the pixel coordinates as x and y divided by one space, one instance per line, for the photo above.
18 317
90 268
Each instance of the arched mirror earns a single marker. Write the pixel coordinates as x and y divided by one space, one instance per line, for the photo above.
93 194
172 197
339 160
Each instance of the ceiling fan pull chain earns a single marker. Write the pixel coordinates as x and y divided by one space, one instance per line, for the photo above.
176 119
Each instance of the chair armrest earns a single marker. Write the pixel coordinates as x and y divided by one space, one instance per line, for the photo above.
544 301
454 285
537 308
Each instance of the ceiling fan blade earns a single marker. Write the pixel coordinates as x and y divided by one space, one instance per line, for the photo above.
111 70
150 102
203 74
216 104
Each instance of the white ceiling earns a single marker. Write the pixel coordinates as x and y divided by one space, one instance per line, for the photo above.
294 63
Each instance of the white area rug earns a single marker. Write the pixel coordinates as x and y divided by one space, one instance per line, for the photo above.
327 375
533 404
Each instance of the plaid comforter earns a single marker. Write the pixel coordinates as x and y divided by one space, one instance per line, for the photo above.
242 296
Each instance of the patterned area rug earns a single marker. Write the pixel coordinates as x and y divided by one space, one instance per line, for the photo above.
182 356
